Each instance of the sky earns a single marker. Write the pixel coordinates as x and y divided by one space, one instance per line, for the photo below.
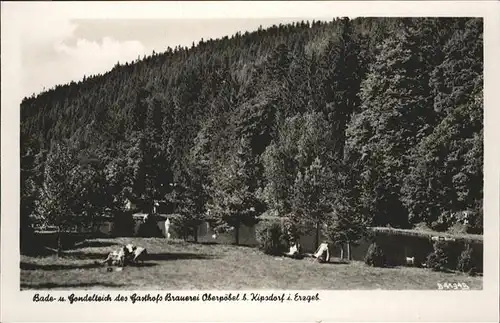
64 41
62 50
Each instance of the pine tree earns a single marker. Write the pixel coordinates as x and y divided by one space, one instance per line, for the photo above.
298 168
347 224
190 193
189 198
446 173
281 166
395 115
59 203
341 83
233 201
311 193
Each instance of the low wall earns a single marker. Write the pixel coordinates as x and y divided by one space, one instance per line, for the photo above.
247 236
396 246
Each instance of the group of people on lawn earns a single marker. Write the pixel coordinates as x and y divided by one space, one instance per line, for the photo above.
130 254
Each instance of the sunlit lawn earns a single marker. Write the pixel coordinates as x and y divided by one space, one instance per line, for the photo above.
179 265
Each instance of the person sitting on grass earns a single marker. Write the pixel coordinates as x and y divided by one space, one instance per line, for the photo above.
117 257
294 251
135 254
140 255
126 255
322 254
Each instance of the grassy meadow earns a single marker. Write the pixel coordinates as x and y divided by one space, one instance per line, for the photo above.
178 265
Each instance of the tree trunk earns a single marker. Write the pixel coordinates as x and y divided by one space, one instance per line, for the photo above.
317 235
341 252
92 225
348 251
195 234
237 234
59 243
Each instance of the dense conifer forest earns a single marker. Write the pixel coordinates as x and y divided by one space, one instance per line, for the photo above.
350 123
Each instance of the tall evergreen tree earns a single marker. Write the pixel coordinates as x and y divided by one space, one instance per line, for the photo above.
446 173
311 193
395 115
233 201
341 82
299 166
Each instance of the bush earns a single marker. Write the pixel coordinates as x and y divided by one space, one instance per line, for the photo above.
150 229
443 222
271 238
438 259
475 221
466 261
182 226
375 256
290 231
28 243
123 224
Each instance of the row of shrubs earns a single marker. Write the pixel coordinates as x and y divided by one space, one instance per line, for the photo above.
437 260
274 239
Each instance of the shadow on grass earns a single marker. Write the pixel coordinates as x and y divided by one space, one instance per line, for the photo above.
101 256
330 262
223 244
338 262
39 250
50 267
85 255
397 267
446 271
94 244
244 245
79 285
177 256
143 264
68 253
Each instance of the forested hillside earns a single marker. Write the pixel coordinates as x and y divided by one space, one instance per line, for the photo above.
374 121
